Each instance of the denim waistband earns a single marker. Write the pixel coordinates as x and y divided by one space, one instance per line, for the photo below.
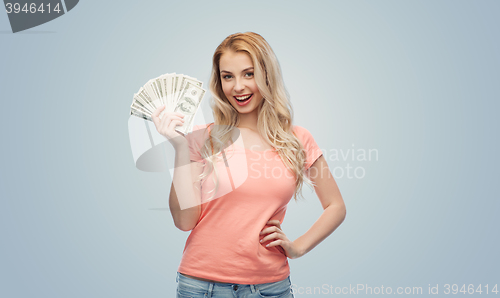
206 285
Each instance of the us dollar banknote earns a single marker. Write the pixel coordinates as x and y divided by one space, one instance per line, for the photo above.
178 92
187 104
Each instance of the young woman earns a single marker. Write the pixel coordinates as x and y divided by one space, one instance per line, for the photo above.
237 247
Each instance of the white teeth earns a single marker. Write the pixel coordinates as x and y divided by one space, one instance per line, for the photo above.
243 97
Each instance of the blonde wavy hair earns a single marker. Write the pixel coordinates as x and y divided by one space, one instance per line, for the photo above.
275 112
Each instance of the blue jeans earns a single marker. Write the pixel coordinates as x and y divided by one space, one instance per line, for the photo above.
192 288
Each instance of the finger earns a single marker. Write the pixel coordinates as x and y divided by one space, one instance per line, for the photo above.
180 120
274 243
174 123
266 230
157 112
156 118
177 117
180 114
168 116
277 225
164 120
269 230
270 237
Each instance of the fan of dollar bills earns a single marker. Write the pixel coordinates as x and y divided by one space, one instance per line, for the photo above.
180 93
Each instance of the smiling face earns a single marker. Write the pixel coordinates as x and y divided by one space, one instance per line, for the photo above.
238 83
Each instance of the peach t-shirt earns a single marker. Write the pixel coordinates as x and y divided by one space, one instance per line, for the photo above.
256 187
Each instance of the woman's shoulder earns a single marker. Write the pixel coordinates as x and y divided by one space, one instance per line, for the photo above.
304 136
313 151
301 131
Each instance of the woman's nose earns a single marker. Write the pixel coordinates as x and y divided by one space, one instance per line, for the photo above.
239 86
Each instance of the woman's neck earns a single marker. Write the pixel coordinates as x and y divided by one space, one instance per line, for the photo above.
249 120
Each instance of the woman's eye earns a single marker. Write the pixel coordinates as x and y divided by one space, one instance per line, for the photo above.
226 77
249 74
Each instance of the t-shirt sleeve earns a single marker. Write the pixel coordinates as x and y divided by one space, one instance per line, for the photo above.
311 148
196 140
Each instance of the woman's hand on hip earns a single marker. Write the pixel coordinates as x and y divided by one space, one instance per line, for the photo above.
291 249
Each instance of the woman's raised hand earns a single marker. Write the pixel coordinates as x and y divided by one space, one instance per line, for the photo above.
166 125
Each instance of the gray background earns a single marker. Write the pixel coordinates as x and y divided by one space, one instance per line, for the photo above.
415 80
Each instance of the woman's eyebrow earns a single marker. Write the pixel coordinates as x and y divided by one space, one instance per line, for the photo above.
246 69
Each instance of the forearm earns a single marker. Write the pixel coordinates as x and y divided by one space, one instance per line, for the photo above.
328 222
184 201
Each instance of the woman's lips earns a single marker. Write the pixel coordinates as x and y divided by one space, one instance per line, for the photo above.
242 103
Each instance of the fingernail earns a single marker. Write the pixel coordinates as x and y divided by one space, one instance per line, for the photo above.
261 240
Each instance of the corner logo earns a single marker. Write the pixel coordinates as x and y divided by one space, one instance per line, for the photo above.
28 14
